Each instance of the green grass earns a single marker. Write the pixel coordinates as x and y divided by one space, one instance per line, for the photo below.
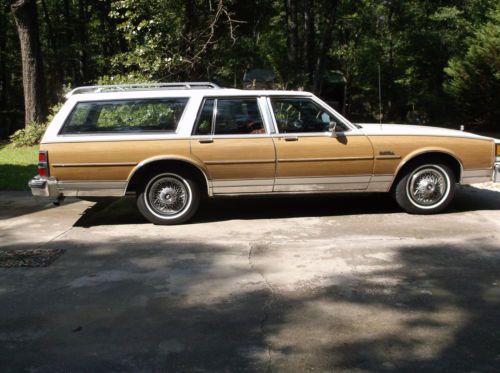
17 166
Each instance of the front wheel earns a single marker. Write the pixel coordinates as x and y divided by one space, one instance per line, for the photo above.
169 199
426 189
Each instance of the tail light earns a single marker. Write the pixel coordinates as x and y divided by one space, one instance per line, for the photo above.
43 163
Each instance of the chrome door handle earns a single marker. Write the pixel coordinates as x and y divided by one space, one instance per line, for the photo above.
295 138
206 141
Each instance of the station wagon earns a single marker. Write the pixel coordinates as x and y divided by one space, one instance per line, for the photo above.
173 144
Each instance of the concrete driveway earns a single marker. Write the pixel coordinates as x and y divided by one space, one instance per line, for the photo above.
343 284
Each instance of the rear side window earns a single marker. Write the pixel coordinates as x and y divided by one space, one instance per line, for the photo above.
239 116
149 115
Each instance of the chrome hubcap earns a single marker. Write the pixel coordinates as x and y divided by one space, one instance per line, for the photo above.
427 186
168 195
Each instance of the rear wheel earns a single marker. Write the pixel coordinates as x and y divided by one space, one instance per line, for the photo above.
426 189
169 198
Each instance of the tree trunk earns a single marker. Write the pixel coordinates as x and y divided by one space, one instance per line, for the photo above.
3 66
292 36
82 48
309 40
25 15
326 43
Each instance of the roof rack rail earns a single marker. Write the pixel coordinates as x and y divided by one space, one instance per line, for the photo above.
140 86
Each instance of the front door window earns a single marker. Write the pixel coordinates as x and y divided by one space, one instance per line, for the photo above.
302 115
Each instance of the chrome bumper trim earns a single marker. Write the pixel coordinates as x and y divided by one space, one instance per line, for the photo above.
496 173
93 188
50 187
43 187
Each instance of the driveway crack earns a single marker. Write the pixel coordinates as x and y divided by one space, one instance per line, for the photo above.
267 305
55 238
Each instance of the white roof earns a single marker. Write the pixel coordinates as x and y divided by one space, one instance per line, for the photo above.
158 93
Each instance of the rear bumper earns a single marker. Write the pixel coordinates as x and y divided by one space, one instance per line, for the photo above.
496 173
43 187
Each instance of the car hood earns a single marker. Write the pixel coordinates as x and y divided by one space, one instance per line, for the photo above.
410 130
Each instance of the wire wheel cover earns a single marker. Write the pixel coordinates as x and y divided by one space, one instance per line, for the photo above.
427 186
168 195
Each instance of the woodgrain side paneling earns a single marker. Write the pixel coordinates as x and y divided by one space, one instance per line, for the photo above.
472 153
232 158
130 152
324 156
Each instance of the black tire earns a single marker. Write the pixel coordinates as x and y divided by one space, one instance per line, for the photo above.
425 189
177 199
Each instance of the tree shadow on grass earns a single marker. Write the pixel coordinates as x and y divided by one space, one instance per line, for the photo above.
16 177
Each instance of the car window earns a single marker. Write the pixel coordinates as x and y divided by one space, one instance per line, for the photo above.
204 123
238 116
125 116
233 117
294 115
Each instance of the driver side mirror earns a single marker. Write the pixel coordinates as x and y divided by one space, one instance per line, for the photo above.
331 128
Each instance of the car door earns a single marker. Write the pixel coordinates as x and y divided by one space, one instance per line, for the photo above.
232 139
312 158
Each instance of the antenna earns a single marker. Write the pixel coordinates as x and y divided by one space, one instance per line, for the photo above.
379 95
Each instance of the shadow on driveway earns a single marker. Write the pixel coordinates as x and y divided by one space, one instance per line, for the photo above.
124 211
165 306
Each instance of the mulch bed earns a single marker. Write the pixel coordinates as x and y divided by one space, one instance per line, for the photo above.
29 258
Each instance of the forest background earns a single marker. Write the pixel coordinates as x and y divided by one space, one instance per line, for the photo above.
433 61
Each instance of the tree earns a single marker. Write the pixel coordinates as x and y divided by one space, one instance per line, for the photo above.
25 15
475 79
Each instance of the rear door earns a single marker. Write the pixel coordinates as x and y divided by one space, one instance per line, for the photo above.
232 139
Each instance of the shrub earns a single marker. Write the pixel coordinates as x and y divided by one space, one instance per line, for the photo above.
33 132
30 135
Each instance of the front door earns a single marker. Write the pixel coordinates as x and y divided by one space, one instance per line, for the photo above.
231 139
309 158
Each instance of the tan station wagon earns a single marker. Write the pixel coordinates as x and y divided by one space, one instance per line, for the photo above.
172 144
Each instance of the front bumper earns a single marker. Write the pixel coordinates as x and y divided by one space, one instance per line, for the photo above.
43 187
496 173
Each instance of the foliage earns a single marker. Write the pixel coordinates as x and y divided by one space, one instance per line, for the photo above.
303 41
475 79
33 132
29 136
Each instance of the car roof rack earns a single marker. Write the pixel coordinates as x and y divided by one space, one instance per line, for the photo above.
141 87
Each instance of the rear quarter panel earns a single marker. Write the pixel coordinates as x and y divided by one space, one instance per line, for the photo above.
107 160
